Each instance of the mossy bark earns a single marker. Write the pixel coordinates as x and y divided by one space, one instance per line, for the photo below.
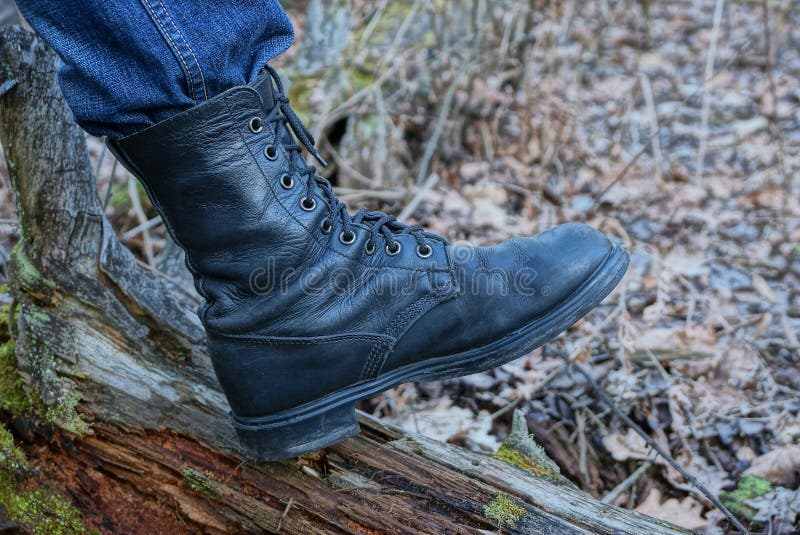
127 420
28 504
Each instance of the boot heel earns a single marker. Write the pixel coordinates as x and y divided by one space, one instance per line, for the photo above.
297 435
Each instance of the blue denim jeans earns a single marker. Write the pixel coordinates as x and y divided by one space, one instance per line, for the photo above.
128 64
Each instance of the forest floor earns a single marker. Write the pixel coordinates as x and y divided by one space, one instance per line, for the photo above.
672 126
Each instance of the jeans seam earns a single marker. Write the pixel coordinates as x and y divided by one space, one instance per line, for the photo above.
175 49
188 47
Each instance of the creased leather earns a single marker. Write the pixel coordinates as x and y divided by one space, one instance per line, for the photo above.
221 199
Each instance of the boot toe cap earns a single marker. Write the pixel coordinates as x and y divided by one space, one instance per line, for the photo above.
504 288
563 258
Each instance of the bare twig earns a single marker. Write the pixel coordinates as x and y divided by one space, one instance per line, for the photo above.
383 195
773 117
619 177
370 28
503 410
411 207
110 186
100 159
343 109
652 115
133 192
580 420
444 113
285 513
666 376
351 171
654 445
147 225
627 483
709 74
399 35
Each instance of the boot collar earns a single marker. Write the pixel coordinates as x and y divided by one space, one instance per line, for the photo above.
264 88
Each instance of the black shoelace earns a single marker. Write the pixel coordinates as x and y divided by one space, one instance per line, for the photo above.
379 223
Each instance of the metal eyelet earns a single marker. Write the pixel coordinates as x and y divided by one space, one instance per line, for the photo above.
369 247
424 251
255 125
287 181
271 152
346 238
326 226
308 204
394 251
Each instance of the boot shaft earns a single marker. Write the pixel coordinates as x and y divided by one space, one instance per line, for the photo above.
230 194
200 174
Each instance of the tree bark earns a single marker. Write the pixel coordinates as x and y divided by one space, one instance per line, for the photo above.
126 419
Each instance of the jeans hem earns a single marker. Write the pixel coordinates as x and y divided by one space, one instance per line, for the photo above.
195 80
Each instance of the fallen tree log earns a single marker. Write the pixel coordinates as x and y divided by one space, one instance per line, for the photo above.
116 414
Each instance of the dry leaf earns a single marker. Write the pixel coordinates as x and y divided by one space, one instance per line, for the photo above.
687 513
780 466
445 421
763 289
739 365
696 341
682 262
628 446
472 171
779 509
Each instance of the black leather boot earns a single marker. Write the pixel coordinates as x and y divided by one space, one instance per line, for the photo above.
309 308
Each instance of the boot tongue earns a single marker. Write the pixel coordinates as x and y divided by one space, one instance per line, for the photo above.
263 85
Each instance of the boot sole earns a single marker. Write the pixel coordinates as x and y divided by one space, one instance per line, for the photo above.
326 421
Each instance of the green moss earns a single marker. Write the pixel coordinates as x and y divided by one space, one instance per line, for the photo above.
5 315
42 511
360 77
59 395
749 487
64 413
39 511
300 96
27 274
12 460
520 450
12 393
505 511
13 398
201 483
5 320
527 463
386 28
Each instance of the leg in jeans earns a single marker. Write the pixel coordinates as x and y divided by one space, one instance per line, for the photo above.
307 307
128 64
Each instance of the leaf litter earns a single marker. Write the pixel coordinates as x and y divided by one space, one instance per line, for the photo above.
590 113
